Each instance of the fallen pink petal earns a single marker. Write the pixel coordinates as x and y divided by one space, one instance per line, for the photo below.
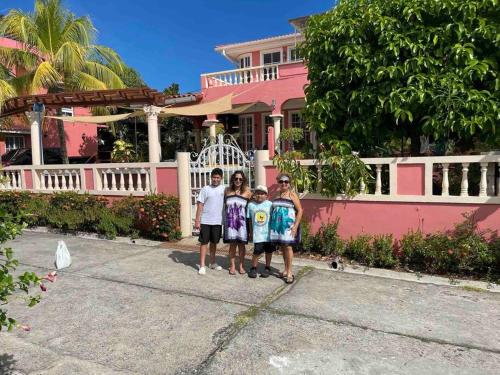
25 327
43 287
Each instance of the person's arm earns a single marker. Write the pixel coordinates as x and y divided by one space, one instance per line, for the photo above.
199 210
298 216
249 224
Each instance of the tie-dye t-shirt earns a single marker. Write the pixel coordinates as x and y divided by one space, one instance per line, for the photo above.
260 214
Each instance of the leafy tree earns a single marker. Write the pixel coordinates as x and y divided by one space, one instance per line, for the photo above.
380 69
10 285
173 89
59 54
131 77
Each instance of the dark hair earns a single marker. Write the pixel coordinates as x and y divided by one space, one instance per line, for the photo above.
244 183
216 172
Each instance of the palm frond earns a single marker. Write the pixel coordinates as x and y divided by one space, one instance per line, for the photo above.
49 17
19 26
6 91
104 74
84 82
45 76
70 57
78 30
106 56
22 83
14 58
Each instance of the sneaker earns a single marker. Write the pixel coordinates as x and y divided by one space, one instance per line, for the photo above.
266 272
253 273
202 271
215 267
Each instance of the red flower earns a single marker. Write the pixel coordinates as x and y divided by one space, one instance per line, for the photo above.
51 276
450 251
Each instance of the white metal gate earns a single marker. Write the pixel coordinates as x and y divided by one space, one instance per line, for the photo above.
224 153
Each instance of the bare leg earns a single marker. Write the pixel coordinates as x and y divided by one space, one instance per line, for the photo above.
285 257
203 254
242 251
269 256
289 259
255 260
232 255
213 249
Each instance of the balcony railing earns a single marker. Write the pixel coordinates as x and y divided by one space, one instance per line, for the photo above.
242 76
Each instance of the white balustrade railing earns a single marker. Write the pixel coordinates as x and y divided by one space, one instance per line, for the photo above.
242 76
436 179
67 179
124 179
11 179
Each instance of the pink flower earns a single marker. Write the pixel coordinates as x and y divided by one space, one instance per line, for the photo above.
24 327
51 276
43 287
450 251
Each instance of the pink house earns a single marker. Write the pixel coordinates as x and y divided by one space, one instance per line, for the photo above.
267 87
81 138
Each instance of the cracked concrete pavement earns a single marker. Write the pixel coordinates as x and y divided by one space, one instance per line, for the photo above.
130 309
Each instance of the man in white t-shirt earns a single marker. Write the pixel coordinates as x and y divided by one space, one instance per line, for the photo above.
209 219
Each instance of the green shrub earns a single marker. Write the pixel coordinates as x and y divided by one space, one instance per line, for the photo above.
383 251
110 225
159 217
326 241
359 249
413 250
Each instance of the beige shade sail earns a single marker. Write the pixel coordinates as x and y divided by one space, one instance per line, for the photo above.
210 108
97 119
237 109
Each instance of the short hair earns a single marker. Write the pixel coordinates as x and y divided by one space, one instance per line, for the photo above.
216 172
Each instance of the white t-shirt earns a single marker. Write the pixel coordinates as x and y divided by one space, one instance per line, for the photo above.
213 202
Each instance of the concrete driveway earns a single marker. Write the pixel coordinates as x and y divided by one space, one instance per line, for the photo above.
129 309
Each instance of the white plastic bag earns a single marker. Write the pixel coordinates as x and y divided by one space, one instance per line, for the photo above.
63 259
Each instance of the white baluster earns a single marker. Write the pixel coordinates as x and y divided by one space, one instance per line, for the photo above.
147 180
77 180
130 181
464 187
113 181
9 181
70 180
14 179
139 180
42 181
50 186
56 181
483 183
122 181
362 187
445 186
104 181
378 181
63 179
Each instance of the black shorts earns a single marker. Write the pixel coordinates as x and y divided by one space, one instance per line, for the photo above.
260 247
209 233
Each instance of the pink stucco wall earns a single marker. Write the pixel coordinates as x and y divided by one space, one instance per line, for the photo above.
411 179
166 180
28 179
290 85
379 217
89 179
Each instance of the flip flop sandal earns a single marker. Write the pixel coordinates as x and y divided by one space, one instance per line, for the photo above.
232 273
290 280
242 273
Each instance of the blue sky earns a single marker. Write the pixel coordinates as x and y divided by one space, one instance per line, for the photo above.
173 41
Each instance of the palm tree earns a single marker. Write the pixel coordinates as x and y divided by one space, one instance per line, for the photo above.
57 53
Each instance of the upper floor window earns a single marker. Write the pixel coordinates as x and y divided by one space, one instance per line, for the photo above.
14 142
293 54
272 57
67 111
245 61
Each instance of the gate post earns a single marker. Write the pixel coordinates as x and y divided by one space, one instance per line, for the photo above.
260 172
184 189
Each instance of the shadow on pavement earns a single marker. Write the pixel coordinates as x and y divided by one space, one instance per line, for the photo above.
7 363
192 259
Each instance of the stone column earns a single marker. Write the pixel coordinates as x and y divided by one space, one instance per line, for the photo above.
212 131
34 118
183 176
277 129
153 137
261 156
197 139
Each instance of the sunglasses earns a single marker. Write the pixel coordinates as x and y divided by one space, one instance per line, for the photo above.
283 181
238 179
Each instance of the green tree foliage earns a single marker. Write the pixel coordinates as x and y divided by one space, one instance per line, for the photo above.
131 77
173 89
380 69
59 54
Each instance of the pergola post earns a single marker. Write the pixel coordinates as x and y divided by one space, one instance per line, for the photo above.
35 119
152 112
212 131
